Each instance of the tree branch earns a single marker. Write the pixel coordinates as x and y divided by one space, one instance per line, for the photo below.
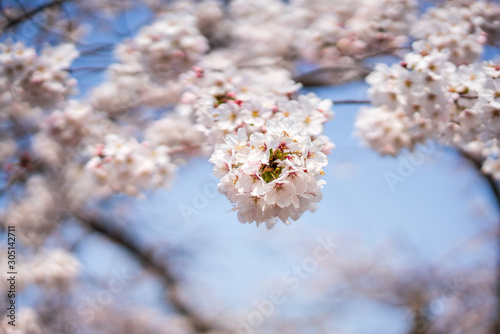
12 23
351 102
160 268
332 75
492 183
495 189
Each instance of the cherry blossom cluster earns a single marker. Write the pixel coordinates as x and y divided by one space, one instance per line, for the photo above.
455 28
427 97
244 32
487 17
254 26
272 174
31 323
72 124
65 133
178 133
262 123
35 213
131 167
224 101
150 62
315 30
29 81
171 45
410 99
56 268
348 31
52 270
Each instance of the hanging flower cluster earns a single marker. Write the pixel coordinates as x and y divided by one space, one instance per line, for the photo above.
271 175
271 158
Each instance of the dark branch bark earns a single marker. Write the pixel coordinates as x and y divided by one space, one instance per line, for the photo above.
333 75
12 23
478 164
351 102
160 268
420 322
495 190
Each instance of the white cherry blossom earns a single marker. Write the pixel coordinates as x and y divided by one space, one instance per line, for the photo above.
270 175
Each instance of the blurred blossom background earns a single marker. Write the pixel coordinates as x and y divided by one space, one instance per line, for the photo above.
398 244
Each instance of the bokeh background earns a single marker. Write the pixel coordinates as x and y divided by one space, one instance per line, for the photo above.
428 236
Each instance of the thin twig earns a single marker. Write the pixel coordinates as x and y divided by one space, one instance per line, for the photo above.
352 102
30 14
86 68
470 97
334 69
